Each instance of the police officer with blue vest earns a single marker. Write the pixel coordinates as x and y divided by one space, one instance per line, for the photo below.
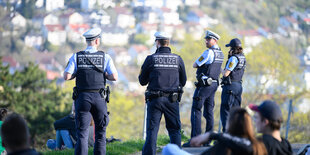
91 68
164 72
208 70
232 79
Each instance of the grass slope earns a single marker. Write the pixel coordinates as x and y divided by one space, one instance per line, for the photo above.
119 148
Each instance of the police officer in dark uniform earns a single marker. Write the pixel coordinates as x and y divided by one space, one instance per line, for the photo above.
208 70
164 72
232 79
91 68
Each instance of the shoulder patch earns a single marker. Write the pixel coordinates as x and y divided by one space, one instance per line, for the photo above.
230 64
201 58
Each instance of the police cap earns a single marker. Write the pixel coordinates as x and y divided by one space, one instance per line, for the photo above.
234 43
161 35
92 34
211 34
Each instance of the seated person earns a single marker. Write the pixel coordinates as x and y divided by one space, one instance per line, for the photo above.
239 139
66 134
15 136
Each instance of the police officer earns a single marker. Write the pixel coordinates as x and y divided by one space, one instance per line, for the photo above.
208 70
91 68
164 72
232 79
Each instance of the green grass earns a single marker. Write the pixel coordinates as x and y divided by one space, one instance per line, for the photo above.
119 148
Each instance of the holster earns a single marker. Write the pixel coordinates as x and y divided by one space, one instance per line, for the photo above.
180 93
149 95
105 93
226 80
203 82
231 99
75 93
173 97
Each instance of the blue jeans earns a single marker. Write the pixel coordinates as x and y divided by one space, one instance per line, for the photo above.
172 149
63 138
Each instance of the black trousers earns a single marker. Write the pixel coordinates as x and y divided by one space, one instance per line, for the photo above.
86 105
231 96
203 96
155 108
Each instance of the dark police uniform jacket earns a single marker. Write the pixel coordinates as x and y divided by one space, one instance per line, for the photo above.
163 71
212 70
88 77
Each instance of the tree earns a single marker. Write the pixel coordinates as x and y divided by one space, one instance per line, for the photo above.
41 102
272 70
27 8
141 39
126 116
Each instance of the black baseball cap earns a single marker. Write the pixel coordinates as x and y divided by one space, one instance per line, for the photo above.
234 43
268 109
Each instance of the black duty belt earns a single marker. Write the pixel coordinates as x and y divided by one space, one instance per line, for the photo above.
160 93
236 81
89 90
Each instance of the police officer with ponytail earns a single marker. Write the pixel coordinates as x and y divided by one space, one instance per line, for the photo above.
232 79
208 70
164 72
91 68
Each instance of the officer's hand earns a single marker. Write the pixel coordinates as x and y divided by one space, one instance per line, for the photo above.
199 140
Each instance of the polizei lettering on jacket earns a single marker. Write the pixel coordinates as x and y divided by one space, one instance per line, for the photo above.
165 61
83 61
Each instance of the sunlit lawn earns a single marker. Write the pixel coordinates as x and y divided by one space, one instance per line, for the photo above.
119 148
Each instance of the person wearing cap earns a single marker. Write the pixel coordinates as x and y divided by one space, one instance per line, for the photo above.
232 80
164 73
91 68
268 119
208 70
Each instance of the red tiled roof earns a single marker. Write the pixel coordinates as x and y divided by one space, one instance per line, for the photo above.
56 27
248 32
10 60
140 48
291 19
199 13
51 75
122 10
148 26
79 27
192 24
164 9
307 19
